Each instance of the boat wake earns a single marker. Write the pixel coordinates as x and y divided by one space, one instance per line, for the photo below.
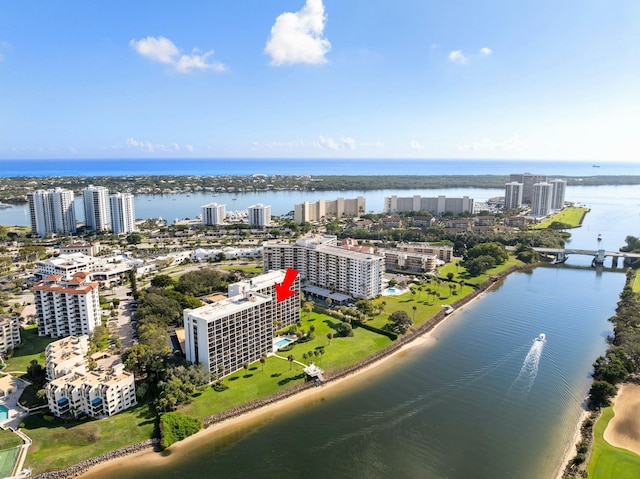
529 370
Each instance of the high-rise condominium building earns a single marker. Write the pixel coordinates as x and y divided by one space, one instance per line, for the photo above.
96 208
123 216
559 190
527 180
9 333
542 197
66 306
213 214
52 212
259 215
325 265
436 205
224 335
339 208
513 195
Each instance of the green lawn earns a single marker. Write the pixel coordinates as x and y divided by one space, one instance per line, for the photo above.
608 462
636 284
9 439
58 444
279 374
572 216
32 348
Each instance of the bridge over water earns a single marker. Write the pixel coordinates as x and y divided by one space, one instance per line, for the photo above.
598 255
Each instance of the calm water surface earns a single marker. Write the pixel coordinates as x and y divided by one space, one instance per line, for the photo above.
486 401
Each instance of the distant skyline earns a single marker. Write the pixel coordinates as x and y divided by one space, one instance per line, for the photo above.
320 79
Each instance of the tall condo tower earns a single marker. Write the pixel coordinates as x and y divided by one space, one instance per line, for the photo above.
52 211
96 208
213 214
259 215
542 196
527 180
513 195
559 190
123 216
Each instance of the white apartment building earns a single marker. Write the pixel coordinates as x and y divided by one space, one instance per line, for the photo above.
65 356
312 211
513 195
213 214
441 252
559 188
123 216
259 215
73 389
66 307
52 212
96 208
404 261
434 205
323 264
224 335
88 249
9 333
542 199
66 265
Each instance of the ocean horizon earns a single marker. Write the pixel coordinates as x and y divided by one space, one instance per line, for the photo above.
317 167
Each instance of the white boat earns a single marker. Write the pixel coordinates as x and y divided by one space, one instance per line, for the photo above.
541 338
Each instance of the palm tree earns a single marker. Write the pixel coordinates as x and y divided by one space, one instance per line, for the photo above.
461 284
221 370
414 313
328 302
329 337
245 365
263 359
290 358
413 293
304 356
308 308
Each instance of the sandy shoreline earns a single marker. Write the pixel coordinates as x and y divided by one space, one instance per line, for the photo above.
298 401
571 447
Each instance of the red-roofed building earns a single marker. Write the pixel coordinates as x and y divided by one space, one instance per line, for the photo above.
66 307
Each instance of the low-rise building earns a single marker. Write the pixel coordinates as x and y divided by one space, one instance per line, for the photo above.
442 252
74 389
88 249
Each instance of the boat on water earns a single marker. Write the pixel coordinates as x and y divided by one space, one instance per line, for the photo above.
542 338
596 166
600 237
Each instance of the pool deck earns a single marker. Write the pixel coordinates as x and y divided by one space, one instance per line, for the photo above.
396 291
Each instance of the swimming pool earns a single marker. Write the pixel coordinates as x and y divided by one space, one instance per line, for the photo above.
391 290
4 413
281 343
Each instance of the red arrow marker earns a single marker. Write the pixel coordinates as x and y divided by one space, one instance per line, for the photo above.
283 291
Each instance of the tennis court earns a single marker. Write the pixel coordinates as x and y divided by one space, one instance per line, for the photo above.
8 461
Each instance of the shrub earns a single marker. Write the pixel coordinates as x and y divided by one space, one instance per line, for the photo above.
175 426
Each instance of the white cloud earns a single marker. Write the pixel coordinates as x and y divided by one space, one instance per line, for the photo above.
456 56
376 144
133 144
327 142
163 50
344 143
511 145
4 46
486 51
348 143
417 146
297 37
189 148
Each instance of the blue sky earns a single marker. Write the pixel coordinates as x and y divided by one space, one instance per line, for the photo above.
320 79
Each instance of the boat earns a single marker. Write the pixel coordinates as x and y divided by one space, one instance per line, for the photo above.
600 237
542 338
596 166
